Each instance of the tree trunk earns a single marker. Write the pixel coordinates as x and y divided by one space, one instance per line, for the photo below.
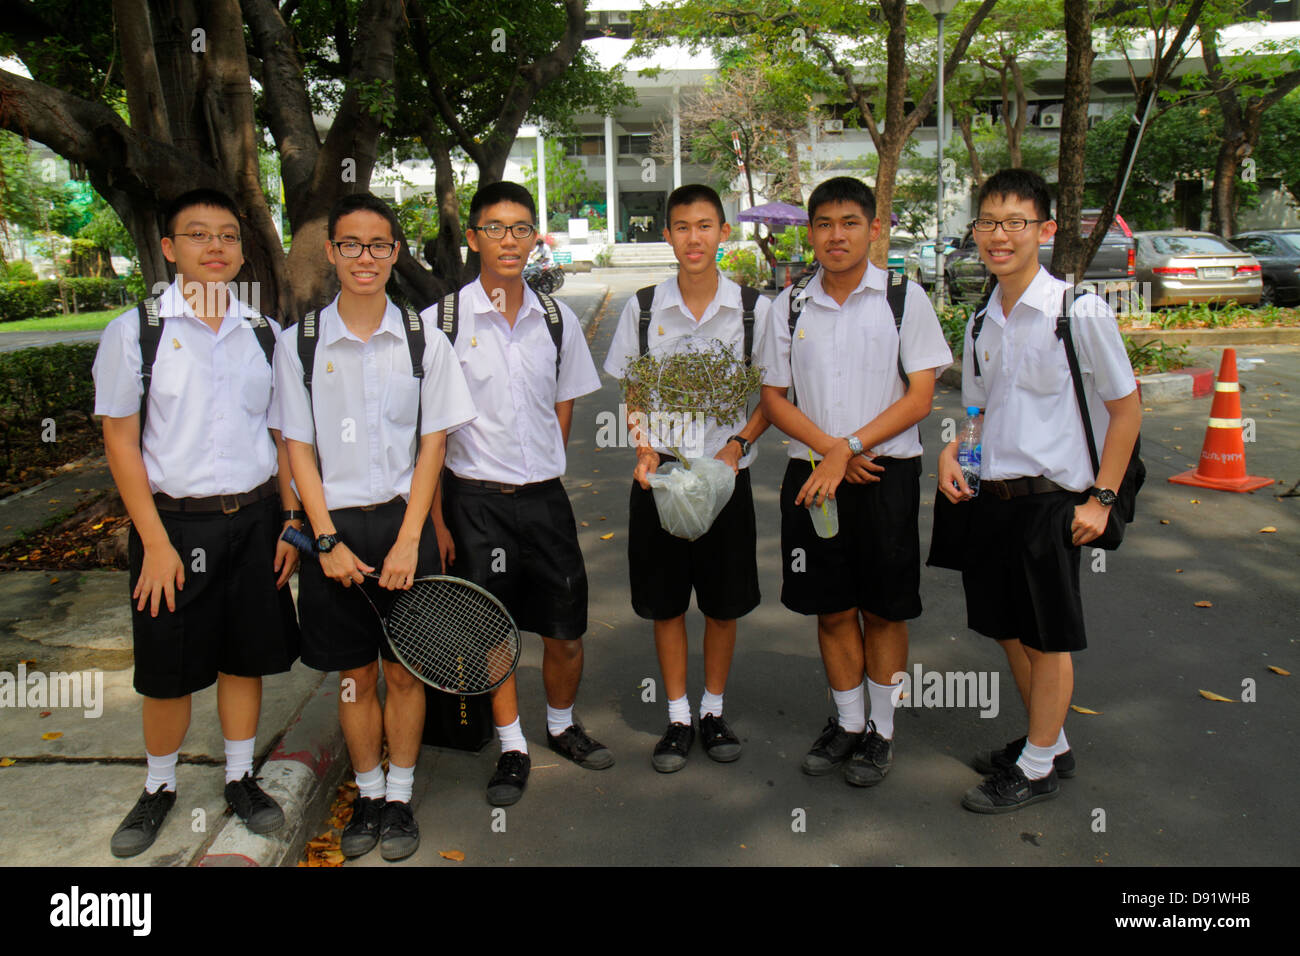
1070 255
443 252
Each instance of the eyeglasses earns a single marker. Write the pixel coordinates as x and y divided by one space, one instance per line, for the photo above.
1008 225
351 249
497 230
201 238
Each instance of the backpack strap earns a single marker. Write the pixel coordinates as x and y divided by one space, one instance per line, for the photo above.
265 337
896 294
415 343
308 339
151 329
748 300
976 325
795 307
449 315
1063 333
644 298
555 324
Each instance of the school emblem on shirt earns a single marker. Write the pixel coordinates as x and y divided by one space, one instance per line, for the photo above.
661 330
473 341
986 355
329 366
801 333
176 343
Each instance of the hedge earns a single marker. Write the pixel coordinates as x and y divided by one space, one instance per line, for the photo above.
25 300
40 383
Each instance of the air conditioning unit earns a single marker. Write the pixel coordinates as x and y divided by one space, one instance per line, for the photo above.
1050 120
833 126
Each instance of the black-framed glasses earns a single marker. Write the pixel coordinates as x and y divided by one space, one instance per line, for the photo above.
497 230
1008 225
201 238
351 249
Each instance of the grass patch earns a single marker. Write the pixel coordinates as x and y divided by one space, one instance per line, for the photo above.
1229 316
78 322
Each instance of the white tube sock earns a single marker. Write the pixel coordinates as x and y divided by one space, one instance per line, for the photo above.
512 737
239 758
852 709
882 707
710 704
1036 762
557 720
371 783
400 782
162 771
679 711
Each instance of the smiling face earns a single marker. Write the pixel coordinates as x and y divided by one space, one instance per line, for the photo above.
364 275
695 233
1012 256
211 261
502 260
841 236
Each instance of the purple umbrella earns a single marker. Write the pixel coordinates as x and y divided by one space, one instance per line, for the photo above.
775 214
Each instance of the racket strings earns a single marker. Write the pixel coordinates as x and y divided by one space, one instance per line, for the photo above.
453 636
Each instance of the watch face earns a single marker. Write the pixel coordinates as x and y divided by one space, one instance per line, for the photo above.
855 445
325 543
1105 496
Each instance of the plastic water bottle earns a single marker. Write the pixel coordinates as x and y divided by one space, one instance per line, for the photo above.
969 447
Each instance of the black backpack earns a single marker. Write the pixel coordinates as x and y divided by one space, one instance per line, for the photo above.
449 321
748 300
151 330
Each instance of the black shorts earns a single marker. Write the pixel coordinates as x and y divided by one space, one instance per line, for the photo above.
721 565
340 630
229 619
1022 573
873 563
523 548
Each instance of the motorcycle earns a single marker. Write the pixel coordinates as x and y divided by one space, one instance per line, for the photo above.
544 275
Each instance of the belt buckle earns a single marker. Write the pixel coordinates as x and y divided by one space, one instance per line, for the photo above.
507 489
229 509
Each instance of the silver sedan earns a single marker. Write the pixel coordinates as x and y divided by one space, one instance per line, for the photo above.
1177 267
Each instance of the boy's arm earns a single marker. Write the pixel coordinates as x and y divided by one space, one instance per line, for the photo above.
1121 434
752 431
340 564
564 415
286 555
163 572
399 564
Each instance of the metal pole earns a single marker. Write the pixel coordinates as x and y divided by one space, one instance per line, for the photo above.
938 139
543 220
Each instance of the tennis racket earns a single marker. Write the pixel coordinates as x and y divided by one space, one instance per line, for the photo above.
448 632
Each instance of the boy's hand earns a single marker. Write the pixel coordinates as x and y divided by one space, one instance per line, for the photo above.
862 470
731 454
951 481
161 575
1089 521
343 566
826 477
647 461
399 564
286 556
446 546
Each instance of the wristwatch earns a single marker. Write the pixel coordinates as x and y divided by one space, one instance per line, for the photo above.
744 445
325 542
1104 495
855 444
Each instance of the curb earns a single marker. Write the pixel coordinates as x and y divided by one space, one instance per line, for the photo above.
1156 389
300 774
1215 338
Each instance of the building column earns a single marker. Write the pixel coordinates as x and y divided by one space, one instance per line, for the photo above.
611 184
677 138
542 218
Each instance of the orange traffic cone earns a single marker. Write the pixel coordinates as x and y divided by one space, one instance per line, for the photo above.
1223 456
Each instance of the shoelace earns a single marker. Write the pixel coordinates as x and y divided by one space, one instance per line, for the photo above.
144 810
256 798
678 734
512 762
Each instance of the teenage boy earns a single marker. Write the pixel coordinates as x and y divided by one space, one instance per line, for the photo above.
1039 500
862 352
367 492
721 566
184 387
504 521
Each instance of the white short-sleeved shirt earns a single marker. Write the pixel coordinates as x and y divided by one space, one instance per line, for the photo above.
516 438
205 430
844 362
670 322
365 400
1032 424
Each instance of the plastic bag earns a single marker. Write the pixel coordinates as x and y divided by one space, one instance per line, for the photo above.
690 501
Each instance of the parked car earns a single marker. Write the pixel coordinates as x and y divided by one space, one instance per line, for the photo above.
920 260
1112 271
1278 253
898 250
1181 267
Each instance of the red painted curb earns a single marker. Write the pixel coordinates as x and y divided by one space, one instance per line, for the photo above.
1202 381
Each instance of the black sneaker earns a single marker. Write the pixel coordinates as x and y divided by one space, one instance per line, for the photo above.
259 812
670 753
1009 789
831 749
362 832
991 761
719 742
507 784
140 827
399 834
871 760
582 749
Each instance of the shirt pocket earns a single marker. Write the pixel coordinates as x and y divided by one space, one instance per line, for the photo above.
879 345
403 400
256 387
1044 371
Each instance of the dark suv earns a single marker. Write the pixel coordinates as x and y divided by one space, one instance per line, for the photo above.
1278 252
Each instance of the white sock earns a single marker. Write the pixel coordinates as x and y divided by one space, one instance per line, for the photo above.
239 758
400 782
557 720
1036 762
852 709
679 711
1062 745
882 707
162 772
371 783
710 704
512 737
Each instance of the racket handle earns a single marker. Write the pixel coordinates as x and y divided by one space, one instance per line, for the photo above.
299 540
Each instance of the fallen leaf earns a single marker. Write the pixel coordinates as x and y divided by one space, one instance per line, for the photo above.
1196 501
1178 570
585 484
1269 530
594 491
456 855
45 713
602 518
1210 695
606 537
56 580
7 761
1203 604
1279 670
52 735
96 527
1084 710
1164 521
1178 428
334 857
28 661
1178 448
585 524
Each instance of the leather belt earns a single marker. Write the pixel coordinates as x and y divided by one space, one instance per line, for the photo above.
217 504
500 486
1019 487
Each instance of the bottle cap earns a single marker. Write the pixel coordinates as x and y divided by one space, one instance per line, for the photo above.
972 410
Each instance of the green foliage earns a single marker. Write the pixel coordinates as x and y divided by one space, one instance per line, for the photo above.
747 266
1155 356
953 319
1208 316
567 185
41 383
792 245
27 299
1278 152
20 270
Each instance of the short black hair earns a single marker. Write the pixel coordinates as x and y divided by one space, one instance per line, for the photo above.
1022 184
197 197
843 189
502 191
693 193
364 202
